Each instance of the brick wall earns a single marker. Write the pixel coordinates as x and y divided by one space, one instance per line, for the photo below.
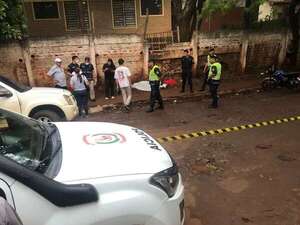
44 51
263 49
128 47
226 45
10 54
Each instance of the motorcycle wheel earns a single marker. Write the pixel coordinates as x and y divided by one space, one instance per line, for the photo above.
268 84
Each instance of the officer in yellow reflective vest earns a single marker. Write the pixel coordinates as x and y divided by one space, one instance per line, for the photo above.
154 80
214 77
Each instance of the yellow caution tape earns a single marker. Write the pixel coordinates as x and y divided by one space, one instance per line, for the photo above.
226 130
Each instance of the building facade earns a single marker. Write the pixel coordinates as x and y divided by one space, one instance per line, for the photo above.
63 17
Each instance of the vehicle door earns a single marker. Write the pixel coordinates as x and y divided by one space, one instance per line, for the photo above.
5 191
9 99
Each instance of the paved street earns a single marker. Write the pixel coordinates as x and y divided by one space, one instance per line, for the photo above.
244 177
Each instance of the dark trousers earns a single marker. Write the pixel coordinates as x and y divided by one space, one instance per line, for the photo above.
213 89
61 87
155 94
205 80
82 101
187 78
109 87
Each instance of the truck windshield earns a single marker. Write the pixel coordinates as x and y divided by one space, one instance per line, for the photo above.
15 85
21 139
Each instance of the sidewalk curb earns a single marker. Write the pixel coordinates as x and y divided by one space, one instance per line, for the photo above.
198 96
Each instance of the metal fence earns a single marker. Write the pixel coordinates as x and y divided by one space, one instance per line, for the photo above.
158 41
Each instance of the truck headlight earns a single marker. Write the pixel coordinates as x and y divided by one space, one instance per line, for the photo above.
68 99
167 180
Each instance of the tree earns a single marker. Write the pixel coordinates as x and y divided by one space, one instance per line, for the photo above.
185 16
294 27
12 20
188 14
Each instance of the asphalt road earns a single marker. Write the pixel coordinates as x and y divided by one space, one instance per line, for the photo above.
245 177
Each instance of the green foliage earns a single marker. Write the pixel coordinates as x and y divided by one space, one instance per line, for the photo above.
223 6
215 6
12 20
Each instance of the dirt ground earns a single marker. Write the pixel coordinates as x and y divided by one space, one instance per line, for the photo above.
245 177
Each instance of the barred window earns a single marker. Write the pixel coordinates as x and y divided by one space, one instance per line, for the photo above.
77 15
124 13
45 10
155 7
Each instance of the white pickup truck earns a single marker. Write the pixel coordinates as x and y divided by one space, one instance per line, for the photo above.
87 173
44 104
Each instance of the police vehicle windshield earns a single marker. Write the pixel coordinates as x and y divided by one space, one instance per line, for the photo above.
21 139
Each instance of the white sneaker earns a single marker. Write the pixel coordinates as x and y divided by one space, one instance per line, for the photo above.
112 97
106 98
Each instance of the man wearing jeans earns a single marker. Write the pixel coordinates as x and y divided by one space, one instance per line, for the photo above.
122 77
87 69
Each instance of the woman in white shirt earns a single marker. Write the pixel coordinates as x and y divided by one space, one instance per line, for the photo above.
79 84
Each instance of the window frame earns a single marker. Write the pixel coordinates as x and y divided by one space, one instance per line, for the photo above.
65 18
162 10
45 19
124 27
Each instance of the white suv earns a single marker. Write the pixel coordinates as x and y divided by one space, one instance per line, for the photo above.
44 104
87 174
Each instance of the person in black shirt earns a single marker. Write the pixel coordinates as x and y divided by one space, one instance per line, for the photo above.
88 71
109 80
187 62
73 65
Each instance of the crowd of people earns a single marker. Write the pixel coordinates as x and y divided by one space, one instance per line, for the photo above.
82 78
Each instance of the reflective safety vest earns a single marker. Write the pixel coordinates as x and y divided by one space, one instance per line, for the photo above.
219 71
152 75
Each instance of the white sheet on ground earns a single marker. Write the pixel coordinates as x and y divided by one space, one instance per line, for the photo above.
142 86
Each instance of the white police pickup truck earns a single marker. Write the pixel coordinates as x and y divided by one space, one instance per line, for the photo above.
44 104
87 174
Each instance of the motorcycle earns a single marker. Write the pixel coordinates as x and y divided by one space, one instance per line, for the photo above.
279 78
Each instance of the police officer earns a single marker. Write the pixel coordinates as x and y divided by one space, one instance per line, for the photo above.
154 80
88 71
187 62
73 65
207 68
214 77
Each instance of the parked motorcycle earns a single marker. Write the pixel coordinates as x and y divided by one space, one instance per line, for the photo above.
279 78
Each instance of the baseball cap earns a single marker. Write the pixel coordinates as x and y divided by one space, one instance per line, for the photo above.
57 60
214 56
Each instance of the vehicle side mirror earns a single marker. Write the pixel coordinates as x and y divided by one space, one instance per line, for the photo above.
5 93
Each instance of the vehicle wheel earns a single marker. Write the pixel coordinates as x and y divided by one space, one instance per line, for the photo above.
268 84
46 116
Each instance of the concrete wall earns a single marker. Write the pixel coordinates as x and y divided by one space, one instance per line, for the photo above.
262 49
9 62
240 52
43 51
101 12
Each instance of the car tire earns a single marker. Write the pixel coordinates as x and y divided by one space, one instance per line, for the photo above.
47 116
